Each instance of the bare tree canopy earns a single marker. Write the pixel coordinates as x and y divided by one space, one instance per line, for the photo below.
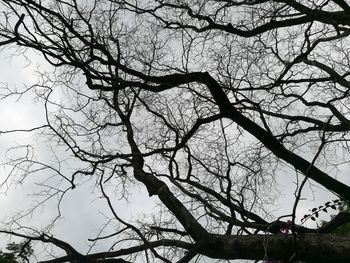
205 104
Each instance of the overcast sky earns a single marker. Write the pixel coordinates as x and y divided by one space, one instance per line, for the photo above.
82 209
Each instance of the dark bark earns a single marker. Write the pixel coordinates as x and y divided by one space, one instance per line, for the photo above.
309 247
322 248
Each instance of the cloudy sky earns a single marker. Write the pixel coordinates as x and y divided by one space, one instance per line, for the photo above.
82 209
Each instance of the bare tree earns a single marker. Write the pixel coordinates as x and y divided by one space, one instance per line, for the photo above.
205 104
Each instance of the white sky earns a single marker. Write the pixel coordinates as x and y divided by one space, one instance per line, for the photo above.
81 209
